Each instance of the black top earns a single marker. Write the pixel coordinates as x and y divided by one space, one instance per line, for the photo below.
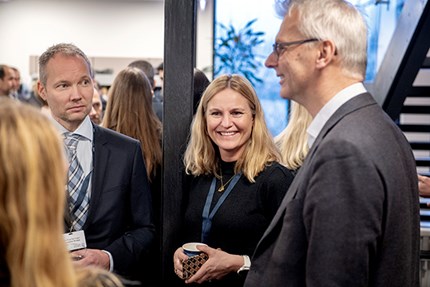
243 217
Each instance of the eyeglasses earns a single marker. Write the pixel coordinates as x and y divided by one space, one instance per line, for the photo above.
279 48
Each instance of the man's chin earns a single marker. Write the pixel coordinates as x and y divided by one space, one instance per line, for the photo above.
285 94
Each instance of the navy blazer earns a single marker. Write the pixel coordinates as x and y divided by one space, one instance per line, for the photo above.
120 213
351 215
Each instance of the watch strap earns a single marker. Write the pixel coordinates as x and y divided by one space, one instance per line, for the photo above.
246 264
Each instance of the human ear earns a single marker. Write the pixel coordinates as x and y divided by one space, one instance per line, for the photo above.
327 53
41 90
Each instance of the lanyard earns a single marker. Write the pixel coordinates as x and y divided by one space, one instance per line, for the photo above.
207 217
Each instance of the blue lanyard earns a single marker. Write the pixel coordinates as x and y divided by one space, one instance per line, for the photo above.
207 217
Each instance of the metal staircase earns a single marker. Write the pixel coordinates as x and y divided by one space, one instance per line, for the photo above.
402 88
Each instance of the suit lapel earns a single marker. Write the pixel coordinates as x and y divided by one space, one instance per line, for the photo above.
350 106
100 164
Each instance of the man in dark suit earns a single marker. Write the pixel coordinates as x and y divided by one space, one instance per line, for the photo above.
115 215
351 215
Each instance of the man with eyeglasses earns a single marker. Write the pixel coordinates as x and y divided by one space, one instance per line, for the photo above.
351 215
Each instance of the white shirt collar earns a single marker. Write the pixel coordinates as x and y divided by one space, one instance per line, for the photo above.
330 108
85 129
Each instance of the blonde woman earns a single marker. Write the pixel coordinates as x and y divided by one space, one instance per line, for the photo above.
233 164
32 178
293 140
32 200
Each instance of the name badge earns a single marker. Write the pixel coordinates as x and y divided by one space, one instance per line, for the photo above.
75 240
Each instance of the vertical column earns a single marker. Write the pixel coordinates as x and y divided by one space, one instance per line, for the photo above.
179 58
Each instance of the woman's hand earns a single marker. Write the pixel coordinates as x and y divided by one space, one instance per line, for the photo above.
178 257
218 265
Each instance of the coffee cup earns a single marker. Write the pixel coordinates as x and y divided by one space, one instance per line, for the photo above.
190 248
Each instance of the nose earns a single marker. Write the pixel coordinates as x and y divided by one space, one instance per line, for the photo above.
76 93
271 60
93 112
226 122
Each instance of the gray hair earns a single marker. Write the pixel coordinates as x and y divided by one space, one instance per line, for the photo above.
335 20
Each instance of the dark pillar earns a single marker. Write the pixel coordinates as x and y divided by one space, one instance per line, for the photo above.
179 58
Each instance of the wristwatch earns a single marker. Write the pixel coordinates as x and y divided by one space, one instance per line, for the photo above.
246 264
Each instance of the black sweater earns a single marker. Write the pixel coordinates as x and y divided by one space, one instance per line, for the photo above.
242 219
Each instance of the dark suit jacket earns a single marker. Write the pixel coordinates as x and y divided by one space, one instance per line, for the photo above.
351 215
120 214
157 103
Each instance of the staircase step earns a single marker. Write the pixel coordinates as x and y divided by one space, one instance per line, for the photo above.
414 109
420 145
419 92
415 128
426 63
422 161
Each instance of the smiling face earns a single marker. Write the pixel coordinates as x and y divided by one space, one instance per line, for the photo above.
229 122
68 90
295 65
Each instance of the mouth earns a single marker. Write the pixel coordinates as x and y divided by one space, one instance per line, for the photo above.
226 134
76 108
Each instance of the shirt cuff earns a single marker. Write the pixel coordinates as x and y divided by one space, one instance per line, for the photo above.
110 259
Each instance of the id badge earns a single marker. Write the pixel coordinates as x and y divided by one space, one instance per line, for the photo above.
75 240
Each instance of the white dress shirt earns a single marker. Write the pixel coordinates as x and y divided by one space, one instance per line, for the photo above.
330 108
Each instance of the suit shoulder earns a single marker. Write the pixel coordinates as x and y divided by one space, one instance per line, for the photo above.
114 136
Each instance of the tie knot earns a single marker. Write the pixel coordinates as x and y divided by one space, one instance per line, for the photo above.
71 140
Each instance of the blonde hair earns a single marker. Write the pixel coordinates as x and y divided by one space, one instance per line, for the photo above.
32 199
202 155
129 111
92 276
293 140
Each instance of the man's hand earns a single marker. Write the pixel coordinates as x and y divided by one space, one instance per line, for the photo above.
85 257
424 185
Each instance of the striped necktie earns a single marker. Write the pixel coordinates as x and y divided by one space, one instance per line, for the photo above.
77 185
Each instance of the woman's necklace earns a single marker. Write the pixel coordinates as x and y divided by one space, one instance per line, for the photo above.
223 185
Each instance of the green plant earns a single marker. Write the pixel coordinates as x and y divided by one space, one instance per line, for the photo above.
235 51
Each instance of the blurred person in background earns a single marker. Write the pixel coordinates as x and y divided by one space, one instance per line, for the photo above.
6 80
21 90
157 96
129 112
201 82
96 113
33 171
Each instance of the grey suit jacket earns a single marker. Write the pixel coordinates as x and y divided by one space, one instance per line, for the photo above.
351 215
